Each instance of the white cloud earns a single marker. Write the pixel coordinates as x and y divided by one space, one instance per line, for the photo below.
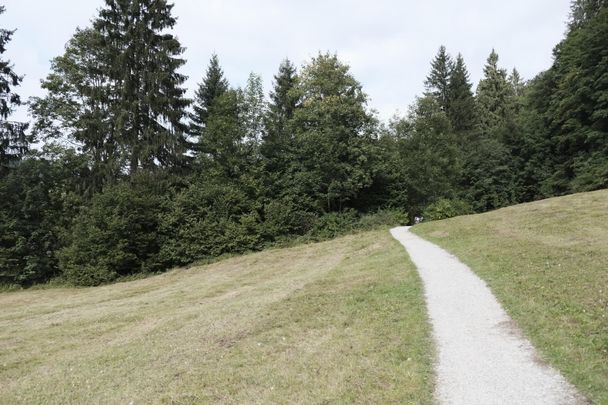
389 43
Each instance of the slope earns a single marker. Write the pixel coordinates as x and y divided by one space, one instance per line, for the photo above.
547 263
339 321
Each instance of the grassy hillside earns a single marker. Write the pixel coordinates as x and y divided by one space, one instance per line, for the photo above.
547 262
340 321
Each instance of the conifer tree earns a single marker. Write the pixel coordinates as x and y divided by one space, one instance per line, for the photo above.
13 140
461 109
223 140
149 98
494 99
438 81
581 11
277 146
577 112
210 89
518 86
117 90
284 99
517 83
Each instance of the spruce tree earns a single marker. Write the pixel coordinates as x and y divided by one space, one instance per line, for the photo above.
213 86
222 146
488 175
494 99
149 98
13 141
283 102
461 109
577 113
518 87
582 11
517 83
438 81
117 90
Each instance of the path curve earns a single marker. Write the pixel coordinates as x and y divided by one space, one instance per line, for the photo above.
482 357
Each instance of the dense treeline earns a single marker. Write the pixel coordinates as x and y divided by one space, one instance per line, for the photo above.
135 178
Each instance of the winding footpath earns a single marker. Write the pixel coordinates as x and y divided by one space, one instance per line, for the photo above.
482 357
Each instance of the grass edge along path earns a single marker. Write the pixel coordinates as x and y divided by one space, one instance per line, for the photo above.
547 263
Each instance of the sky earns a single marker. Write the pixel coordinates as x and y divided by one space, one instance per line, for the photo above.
388 43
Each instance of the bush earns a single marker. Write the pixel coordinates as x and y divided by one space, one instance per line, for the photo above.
384 218
446 208
115 236
335 224
208 220
30 215
284 218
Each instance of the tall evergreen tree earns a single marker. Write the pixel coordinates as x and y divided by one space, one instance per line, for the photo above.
517 83
210 89
438 81
149 98
117 90
277 142
577 111
13 141
518 88
488 178
223 143
581 11
283 100
494 97
461 109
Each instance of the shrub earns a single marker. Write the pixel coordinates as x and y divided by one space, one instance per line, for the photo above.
334 224
116 235
208 220
384 218
446 208
30 215
284 218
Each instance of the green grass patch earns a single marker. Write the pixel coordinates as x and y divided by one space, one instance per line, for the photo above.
334 322
547 263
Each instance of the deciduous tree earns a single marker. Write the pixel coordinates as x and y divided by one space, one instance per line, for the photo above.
333 129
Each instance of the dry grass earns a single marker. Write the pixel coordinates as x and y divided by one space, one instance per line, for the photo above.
340 321
547 263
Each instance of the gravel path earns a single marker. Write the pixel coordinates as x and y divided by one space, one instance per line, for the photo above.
482 356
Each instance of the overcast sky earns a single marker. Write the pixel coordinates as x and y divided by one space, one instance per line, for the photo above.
388 43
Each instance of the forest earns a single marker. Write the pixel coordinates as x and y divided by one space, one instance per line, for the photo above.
130 177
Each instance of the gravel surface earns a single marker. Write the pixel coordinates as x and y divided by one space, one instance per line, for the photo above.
482 357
